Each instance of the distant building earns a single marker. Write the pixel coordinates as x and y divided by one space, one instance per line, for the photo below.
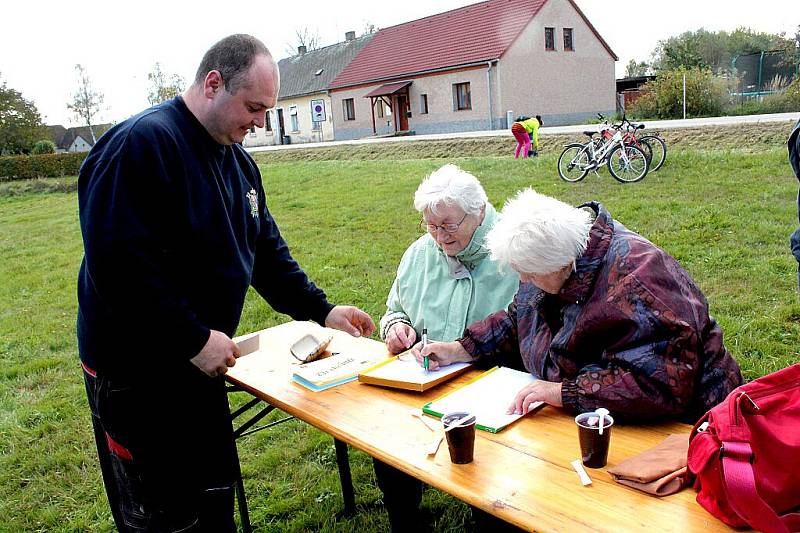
470 68
303 113
77 139
629 90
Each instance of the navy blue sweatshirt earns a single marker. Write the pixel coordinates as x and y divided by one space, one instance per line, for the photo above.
175 229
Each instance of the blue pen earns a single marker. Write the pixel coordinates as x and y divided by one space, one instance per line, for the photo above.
425 342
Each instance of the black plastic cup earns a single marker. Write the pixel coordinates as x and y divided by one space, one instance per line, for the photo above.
594 446
460 439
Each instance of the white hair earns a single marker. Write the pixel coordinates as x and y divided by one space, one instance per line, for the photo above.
450 186
537 234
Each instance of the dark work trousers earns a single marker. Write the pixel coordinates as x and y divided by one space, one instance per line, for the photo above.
402 495
166 452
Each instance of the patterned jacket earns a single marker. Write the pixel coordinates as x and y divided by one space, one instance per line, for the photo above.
629 331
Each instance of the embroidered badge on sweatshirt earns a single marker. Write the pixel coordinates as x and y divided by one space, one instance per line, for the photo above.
252 197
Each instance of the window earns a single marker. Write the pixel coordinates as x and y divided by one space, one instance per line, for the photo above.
423 104
461 96
381 105
253 134
268 122
568 40
293 117
549 38
348 109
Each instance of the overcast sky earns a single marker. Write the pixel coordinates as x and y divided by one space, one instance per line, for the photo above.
119 42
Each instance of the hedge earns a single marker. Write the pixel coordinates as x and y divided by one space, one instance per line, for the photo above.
24 167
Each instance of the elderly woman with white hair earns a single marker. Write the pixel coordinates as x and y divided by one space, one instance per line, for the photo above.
603 317
445 281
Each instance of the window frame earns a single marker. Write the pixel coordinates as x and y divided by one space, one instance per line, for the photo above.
348 109
423 104
294 120
571 33
457 93
550 31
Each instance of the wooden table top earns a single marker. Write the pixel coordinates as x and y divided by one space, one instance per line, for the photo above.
522 474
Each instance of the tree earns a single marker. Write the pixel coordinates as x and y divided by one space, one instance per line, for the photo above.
635 69
369 28
44 146
714 50
304 37
163 86
706 94
20 123
86 102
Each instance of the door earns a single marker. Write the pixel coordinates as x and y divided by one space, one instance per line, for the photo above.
402 111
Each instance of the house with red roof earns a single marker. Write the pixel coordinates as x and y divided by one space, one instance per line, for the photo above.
302 113
471 68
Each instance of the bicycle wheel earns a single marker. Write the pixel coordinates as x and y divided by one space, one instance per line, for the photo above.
627 163
658 148
647 149
573 163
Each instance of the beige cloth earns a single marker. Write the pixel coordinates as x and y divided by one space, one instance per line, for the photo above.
659 471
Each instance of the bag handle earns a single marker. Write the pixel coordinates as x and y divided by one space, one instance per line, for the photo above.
740 488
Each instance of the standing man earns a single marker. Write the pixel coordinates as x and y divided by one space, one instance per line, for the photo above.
175 229
794 159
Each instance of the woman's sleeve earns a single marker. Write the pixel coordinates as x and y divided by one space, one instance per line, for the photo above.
487 339
394 311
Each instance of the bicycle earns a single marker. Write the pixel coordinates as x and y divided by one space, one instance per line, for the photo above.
626 163
652 144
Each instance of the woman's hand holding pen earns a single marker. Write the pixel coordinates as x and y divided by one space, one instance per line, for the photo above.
440 354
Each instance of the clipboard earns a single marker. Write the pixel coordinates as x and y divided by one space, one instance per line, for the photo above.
487 397
399 373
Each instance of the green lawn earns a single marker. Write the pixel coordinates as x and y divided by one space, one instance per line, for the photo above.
725 214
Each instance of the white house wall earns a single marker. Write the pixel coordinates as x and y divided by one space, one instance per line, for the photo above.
441 117
304 133
564 87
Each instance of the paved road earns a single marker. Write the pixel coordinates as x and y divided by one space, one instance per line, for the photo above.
651 124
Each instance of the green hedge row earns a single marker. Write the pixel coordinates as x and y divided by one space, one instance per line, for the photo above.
24 167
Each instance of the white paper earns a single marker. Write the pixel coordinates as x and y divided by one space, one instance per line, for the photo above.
488 398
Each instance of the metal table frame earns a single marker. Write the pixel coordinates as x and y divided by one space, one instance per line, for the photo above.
246 428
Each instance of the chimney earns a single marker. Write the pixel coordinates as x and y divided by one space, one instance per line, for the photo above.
350 36
301 50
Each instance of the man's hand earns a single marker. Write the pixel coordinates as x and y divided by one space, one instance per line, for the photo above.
219 353
351 320
539 391
400 337
441 354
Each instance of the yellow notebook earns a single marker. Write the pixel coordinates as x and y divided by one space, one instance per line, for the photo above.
399 372
487 397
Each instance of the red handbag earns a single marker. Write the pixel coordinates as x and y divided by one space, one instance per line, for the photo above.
745 454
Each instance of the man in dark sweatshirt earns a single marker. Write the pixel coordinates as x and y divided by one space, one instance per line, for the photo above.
794 159
175 229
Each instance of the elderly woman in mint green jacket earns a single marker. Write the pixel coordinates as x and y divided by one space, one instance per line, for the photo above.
445 282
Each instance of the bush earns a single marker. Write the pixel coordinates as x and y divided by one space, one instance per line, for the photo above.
44 147
40 166
785 102
663 97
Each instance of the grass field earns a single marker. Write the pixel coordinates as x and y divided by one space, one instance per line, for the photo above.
723 211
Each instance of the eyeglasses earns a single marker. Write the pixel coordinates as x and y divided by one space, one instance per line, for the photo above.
446 227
